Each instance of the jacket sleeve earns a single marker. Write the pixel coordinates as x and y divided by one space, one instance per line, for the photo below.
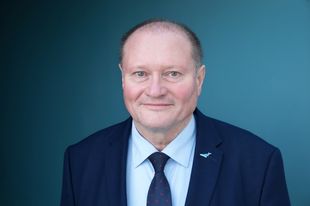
274 192
67 194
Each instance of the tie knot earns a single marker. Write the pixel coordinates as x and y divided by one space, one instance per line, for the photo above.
158 160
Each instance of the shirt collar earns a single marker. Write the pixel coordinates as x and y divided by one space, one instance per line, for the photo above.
178 150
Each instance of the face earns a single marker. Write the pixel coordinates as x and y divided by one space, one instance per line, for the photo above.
160 82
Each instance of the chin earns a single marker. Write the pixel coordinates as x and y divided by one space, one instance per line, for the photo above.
155 123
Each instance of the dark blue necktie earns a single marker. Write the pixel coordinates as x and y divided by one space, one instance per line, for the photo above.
159 192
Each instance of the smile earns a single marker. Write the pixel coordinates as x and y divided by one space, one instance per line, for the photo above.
157 106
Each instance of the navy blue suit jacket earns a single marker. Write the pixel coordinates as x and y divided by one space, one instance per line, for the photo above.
242 170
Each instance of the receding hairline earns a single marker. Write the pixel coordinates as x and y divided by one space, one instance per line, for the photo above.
158 27
162 26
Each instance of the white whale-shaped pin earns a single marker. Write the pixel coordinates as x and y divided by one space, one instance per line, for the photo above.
205 155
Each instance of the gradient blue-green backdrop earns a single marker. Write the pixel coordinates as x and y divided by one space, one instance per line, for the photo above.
60 81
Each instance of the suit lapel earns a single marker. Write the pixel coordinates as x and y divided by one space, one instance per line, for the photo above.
204 172
116 163
207 162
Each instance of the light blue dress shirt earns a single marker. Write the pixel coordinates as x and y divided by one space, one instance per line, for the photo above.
178 168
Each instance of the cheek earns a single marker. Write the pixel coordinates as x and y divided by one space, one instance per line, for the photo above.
185 92
131 92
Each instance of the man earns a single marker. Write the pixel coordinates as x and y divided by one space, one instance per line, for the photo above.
168 152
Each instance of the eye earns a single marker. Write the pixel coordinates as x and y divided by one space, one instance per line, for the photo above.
174 74
139 74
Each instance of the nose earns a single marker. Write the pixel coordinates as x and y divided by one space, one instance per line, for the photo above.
156 87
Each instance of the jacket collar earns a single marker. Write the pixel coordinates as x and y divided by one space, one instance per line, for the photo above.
206 165
116 161
207 162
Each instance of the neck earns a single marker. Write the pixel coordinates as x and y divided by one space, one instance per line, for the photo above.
161 137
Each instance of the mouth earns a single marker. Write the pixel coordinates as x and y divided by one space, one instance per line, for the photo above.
156 106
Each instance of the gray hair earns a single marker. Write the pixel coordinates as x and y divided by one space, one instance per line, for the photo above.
166 25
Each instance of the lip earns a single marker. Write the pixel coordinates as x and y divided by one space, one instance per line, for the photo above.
157 106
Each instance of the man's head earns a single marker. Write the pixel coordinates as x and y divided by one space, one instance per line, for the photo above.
162 75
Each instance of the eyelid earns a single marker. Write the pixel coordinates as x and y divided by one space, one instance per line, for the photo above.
139 75
139 71
170 72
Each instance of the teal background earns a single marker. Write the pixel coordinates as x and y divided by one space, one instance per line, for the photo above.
60 81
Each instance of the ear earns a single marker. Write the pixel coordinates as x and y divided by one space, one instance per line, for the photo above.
122 73
201 72
120 68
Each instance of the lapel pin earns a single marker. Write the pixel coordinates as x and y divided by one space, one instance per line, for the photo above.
205 155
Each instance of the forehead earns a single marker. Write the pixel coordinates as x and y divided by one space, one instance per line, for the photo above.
160 30
157 45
